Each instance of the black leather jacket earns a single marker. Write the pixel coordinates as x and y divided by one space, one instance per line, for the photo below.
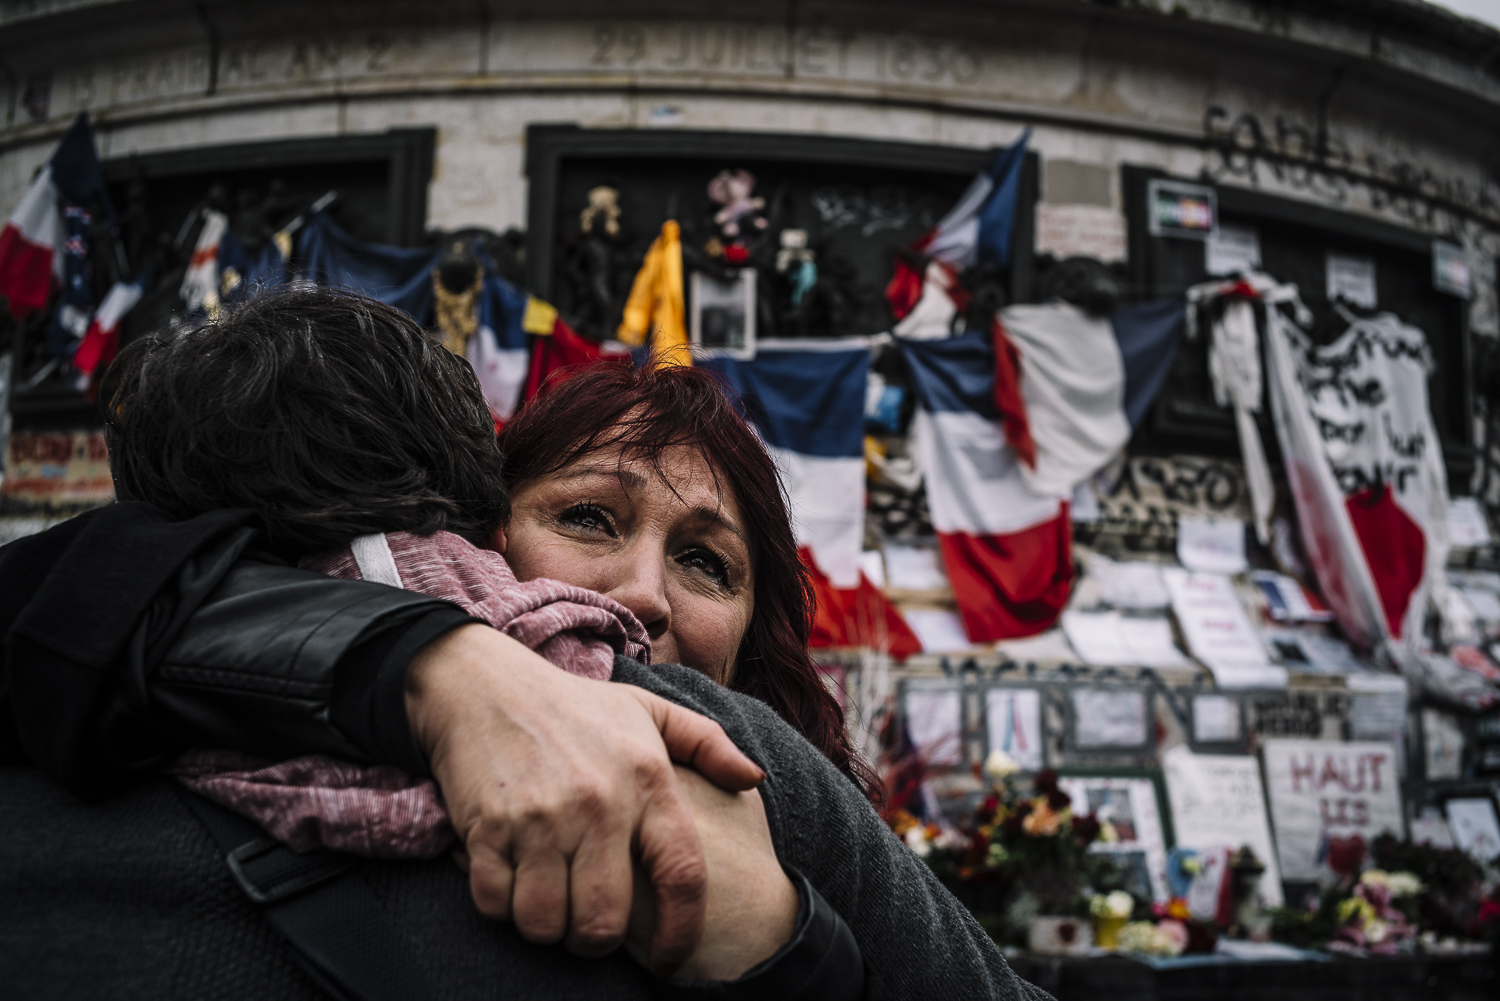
129 639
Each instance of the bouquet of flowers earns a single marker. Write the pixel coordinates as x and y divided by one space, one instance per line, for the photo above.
1024 853
1369 919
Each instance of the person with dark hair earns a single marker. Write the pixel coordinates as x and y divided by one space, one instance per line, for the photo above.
651 520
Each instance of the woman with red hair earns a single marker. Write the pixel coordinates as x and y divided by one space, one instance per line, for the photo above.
720 589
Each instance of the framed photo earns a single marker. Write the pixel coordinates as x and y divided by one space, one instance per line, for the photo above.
1130 802
1109 720
723 315
1218 722
1013 723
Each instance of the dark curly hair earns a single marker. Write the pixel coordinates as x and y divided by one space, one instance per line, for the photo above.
329 414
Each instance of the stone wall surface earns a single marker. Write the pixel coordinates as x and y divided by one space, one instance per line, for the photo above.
1389 108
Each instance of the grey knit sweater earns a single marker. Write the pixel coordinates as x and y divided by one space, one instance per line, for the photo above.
915 936
131 899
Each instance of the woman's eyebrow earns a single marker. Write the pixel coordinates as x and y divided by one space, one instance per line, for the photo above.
716 517
629 478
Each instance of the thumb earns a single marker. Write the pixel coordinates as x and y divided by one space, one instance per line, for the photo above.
701 744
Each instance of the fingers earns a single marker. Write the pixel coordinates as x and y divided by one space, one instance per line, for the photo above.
539 905
700 743
490 879
601 883
672 858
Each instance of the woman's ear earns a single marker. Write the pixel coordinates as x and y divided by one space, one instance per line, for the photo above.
497 540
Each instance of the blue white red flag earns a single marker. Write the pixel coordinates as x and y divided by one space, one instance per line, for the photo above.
1005 545
500 350
978 228
808 402
31 244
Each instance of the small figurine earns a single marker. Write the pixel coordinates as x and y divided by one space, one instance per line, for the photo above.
604 202
731 189
797 263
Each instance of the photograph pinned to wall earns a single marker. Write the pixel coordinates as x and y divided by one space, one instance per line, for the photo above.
1475 828
1218 720
1442 746
723 315
1131 807
1013 717
1324 789
1109 719
934 720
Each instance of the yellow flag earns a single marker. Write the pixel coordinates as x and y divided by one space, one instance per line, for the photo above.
655 306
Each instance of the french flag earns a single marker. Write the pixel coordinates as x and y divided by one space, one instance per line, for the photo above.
1007 546
500 350
807 398
29 243
978 228
102 340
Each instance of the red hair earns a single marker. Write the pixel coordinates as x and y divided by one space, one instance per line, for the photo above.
645 411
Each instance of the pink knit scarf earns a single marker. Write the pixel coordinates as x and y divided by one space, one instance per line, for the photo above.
381 811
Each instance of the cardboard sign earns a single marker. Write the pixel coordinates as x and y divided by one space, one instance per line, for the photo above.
1216 799
1321 789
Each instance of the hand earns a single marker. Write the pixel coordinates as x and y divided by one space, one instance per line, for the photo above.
554 782
752 905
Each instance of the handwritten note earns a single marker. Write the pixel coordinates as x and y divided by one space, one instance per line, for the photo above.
1216 799
1218 632
1211 545
1321 789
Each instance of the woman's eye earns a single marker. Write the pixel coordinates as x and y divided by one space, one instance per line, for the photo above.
707 563
589 517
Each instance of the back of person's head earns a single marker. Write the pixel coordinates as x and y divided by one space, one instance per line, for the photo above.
647 410
330 414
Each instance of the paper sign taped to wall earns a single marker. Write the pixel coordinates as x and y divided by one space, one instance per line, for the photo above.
1351 277
1217 800
1232 250
1321 789
1211 545
935 723
1475 829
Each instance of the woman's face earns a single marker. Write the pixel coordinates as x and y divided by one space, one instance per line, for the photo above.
673 550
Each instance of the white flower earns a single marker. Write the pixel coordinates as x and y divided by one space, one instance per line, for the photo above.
1118 904
1376 931
1000 766
1375 877
916 840
1405 884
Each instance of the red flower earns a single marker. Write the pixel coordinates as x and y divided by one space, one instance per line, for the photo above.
1346 855
1489 911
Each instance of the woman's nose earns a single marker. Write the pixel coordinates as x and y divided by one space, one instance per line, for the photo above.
641 586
